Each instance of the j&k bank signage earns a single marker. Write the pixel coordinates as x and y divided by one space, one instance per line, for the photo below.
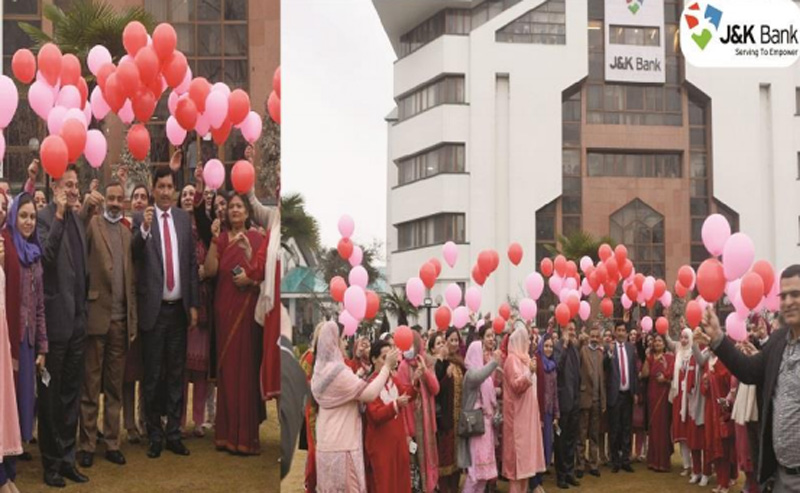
634 41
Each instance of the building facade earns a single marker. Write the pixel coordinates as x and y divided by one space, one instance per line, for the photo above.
524 120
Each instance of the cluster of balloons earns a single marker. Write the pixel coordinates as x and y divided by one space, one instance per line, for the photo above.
749 285
360 303
274 101
243 175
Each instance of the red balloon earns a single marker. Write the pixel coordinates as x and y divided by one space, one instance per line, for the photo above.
660 289
74 134
650 303
199 89
752 289
437 265
625 269
174 69
442 317
156 87
338 287
574 304
345 248
562 314
662 325
103 73
693 314
638 280
632 292
546 266
515 253
601 273
680 289
373 304
144 104
70 70
478 276
428 274
50 63
607 307
764 269
83 88
498 324
505 311
128 77
403 338
23 65
113 94
134 37
621 254
495 259
186 114
686 276
139 141
276 82
610 287
605 252
274 107
485 262
146 61
220 135
572 269
612 267
711 280
54 156
561 265
164 41
238 106
594 283
243 176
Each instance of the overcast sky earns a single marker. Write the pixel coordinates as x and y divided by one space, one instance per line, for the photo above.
336 91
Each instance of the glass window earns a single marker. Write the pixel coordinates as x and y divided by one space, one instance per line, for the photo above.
697 114
546 24
21 7
186 38
209 40
641 228
570 224
632 35
15 38
697 137
236 39
446 158
698 207
595 36
571 162
635 165
634 98
445 90
209 10
594 97
210 69
433 230
235 10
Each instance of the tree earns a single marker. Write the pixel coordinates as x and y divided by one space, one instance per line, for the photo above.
579 244
296 223
332 265
397 305
269 173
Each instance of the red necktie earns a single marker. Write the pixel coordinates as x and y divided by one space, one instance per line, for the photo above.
168 253
622 372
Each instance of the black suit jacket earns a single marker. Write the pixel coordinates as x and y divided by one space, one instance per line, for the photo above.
613 379
569 376
65 310
150 266
761 370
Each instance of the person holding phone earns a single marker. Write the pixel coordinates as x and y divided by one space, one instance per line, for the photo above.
658 369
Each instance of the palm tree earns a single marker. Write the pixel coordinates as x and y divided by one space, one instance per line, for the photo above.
269 173
296 223
397 305
331 264
579 244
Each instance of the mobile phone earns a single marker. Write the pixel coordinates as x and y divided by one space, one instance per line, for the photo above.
412 447
237 270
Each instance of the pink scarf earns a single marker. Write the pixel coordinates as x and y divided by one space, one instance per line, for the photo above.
518 345
333 383
474 361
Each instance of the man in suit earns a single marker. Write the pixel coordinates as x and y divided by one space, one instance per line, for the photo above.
620 364
569 383
111 326
64 259
592 402
775 371
167 301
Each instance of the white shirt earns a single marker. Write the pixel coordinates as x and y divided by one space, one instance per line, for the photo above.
623 361
175 294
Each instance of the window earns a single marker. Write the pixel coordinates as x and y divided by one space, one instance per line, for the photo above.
448 21
630 35
545 239
797 101
798 165
641 229
444 158
650 165
546 24
444 90
432 230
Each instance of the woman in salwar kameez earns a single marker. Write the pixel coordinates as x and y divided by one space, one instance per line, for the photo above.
450 373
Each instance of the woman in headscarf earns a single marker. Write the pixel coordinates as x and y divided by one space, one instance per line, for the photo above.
307 364
450 373
489 339
719 425
658 370
416 371
476 454
680 398
338 391
523 454
547 390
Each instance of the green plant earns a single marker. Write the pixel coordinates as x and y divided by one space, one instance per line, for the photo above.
297 223
397 305
579 244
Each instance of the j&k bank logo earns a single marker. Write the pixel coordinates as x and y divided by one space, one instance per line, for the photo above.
740 33
635 5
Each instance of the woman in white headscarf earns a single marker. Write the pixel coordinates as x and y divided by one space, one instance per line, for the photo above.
679 397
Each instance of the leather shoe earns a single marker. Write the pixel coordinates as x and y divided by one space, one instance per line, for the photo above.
615 469
595 473
627 468
563 484
85 459
177 447
579 474
116 457
73 474
154 450
54 480
572 481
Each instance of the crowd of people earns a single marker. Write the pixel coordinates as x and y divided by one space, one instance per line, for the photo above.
462 409
133 301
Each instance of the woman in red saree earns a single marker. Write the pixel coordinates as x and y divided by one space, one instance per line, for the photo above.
720 432
658 370
239 339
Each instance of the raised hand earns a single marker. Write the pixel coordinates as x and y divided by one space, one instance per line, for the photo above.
215 228
33 169
147 221
60 199
710 324
175 160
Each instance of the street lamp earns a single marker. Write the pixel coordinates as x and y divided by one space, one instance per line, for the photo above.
428 305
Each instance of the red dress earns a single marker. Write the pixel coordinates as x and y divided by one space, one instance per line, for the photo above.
719 425
660 445
680 426
307 364
271 351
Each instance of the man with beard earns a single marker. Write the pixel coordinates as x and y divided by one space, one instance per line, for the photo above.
111 325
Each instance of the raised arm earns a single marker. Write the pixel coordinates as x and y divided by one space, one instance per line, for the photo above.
748 369
373 389
474 378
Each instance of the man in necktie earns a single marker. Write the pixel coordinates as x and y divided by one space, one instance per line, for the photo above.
167 301
620 364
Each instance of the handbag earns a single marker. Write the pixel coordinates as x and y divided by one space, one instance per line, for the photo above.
471 423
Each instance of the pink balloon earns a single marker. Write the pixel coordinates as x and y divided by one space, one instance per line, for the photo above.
601 292
87 113
69 97
9 99
534 285
97 57
738 256
738 304
563 294
349 322
355 302
473 298
586 262
202 127
346 226
703 303
100 107
41 99
358 277
75 113
666 299
415 291
555 283
175 133
460 317
96 148
183 87
648 287
126 112
736 327
221 87
585 310
356 257
452 295
216 108
570 283
772 301
647 324
715 233
450 253
213 174
55 119
586 288
251 127
172 102
626 302
527 309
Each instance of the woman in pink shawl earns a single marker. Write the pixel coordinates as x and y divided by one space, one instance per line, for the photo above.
476 454
416 370
338 391
523 451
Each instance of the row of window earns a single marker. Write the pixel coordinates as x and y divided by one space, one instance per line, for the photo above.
432 230
444 90
546 24
638 36
447 21
445 158
651 165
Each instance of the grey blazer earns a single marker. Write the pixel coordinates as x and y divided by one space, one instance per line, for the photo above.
150 267
472 389
62 316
